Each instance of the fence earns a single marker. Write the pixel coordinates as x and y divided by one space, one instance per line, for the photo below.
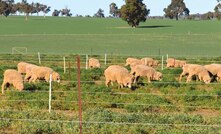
113 98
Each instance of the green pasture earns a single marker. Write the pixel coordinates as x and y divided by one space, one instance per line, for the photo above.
158 107
112 36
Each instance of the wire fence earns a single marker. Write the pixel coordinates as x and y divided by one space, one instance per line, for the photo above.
112 93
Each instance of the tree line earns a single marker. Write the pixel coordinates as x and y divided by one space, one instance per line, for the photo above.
8 7
133 11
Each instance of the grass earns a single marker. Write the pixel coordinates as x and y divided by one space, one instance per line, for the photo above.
184 108
113 36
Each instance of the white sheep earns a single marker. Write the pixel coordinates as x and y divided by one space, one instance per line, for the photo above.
94 63
119 74
40 72
21 66
13 77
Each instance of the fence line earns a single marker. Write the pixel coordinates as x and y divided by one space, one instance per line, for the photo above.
112 123
117 103
122 93
159 82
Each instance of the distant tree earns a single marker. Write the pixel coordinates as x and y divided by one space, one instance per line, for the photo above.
88 16
45 9
134 12
4 8
176 8
207 16
186 12
26 8
217 10
66 12
114 11
35 8
99 14
56 12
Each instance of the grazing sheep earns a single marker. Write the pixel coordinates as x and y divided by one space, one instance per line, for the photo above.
149 72
119 74
43 73
150 62
215 70
13 77
179 63
94 63
135 63
21 66
197 70
28 71
172 62
129 61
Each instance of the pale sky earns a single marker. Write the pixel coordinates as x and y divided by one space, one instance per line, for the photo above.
90 7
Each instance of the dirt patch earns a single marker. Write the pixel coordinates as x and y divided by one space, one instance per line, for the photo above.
207 112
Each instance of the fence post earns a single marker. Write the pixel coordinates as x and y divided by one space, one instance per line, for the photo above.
69 70
167 56
79 93
86 61
64 65
50 81
162 64
105 59
39 58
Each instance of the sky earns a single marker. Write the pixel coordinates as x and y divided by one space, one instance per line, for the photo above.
90 7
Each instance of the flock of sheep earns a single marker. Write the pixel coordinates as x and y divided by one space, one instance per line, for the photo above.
144 67
32 73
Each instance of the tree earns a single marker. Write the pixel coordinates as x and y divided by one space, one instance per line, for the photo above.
45 9
66 12
26 8
100 13
217 10
56 13
176 8
114 11
134 12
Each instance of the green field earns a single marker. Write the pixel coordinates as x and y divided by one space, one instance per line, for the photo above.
162 107
112 36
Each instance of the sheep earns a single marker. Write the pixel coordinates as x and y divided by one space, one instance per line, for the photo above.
149 72
94 63
119 74
13 77
28 71
172 62
40 72
129 61
215 70
194 69
149 62
21 66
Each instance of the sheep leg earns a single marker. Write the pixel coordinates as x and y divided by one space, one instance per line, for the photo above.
31 79
135 79
3 86
189 78
34 79
149 79
107 82
217 78
27 77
